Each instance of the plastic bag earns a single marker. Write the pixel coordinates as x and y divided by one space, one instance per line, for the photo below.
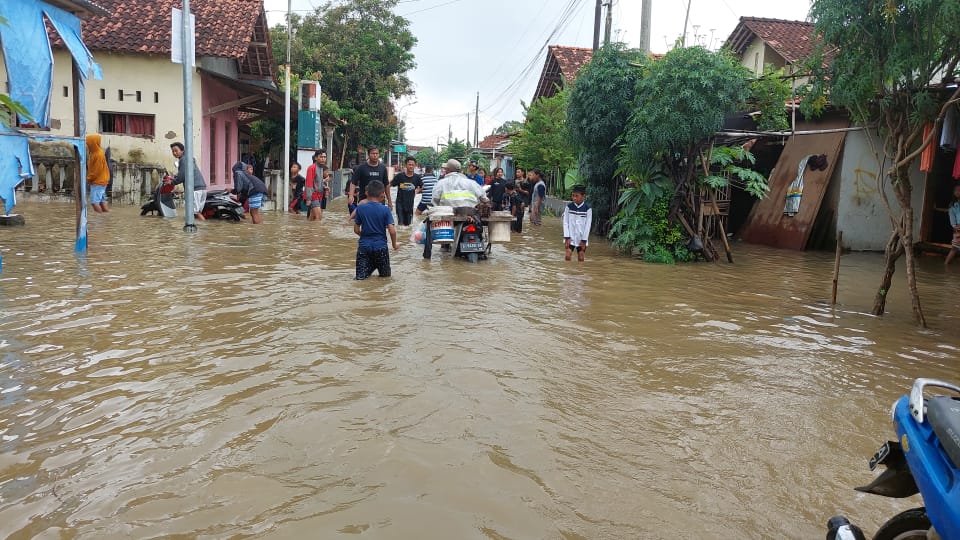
419 234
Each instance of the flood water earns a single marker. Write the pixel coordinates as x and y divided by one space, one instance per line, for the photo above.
238 383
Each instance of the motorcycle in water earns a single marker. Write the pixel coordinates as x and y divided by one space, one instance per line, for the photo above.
471 245
221 205
162 203
924 459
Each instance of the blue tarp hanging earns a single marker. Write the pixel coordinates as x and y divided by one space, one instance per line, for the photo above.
68 26
15 165
28 58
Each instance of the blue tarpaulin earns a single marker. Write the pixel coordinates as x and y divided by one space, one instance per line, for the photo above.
15 165
27 54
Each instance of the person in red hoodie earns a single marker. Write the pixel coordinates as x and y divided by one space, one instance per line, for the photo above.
313 191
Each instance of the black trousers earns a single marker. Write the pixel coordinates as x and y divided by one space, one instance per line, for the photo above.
370 260
404 212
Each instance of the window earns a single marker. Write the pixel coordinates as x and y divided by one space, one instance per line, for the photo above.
156 97
103 94
227 136
120 94
66 91
140 125
138 96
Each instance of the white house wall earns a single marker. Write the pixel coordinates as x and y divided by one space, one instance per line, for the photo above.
861 214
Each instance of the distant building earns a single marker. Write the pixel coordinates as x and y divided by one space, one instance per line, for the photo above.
560 69
777 43
138 106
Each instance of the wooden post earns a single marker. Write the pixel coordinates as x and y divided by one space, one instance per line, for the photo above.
723 230
836 267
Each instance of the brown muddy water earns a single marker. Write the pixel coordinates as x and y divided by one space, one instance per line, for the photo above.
238 383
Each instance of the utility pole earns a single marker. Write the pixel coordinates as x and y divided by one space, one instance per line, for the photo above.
596 25
188 59
606 32
646 11
683 39
286 120
468 129
476 123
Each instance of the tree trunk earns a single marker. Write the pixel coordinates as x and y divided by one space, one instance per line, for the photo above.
890 255
906 244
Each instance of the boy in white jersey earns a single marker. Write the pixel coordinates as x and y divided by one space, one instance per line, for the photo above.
577 217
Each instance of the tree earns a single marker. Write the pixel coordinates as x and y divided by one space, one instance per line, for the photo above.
428 157
668 151
544 142
599 105
508 127
456 149
361 53
886 58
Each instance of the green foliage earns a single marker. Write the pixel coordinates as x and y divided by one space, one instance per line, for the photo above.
428 157
725 168
599 106
543 141
645 230
9 109
269 132
509 127
883 57
457 149
681 101
769 94
360 51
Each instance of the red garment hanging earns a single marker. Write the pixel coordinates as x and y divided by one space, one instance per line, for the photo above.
956 166
930 152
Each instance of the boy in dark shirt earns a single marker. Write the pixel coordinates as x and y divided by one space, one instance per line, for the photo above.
371 224
407 184
512 202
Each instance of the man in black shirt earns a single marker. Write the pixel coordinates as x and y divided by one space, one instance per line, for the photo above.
407 184
372 169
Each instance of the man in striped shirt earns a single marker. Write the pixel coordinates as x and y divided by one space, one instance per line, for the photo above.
428 180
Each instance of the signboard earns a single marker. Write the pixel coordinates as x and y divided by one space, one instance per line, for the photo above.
400 148
176 37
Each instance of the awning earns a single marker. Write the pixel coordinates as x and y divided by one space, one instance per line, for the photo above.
256 102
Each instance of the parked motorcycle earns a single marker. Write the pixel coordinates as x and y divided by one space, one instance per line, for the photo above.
924 459
161 203
221 205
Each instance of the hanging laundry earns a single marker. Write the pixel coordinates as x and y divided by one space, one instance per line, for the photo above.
948 136
956 167
930 152
795 191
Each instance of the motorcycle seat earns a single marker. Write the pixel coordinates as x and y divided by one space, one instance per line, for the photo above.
943 412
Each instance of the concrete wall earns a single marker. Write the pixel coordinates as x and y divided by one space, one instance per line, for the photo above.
148 74
220 148
861 214
754 56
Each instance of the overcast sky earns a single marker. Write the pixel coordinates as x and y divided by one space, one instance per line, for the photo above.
498 48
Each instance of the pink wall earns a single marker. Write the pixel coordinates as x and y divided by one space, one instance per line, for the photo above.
218 134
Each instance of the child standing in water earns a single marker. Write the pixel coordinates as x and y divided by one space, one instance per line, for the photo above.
577 217
954 211
371 224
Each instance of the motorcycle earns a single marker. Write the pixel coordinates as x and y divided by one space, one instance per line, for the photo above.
472 245
161 203
924 459
221 205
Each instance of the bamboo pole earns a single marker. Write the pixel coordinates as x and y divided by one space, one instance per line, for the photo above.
723 230
836 267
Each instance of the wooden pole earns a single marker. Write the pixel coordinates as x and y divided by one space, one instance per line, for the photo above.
836 267
723 230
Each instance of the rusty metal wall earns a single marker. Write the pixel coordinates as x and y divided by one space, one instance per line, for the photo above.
767 224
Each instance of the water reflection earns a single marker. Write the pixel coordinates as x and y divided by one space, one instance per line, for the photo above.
237 381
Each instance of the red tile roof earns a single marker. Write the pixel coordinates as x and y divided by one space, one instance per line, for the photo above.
793 40
561 68
491 142
224 27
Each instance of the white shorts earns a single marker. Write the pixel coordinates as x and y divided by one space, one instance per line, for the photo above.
199 198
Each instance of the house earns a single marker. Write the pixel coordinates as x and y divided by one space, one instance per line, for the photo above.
844 195
27 71
138 106
560 69
495 148
760 42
